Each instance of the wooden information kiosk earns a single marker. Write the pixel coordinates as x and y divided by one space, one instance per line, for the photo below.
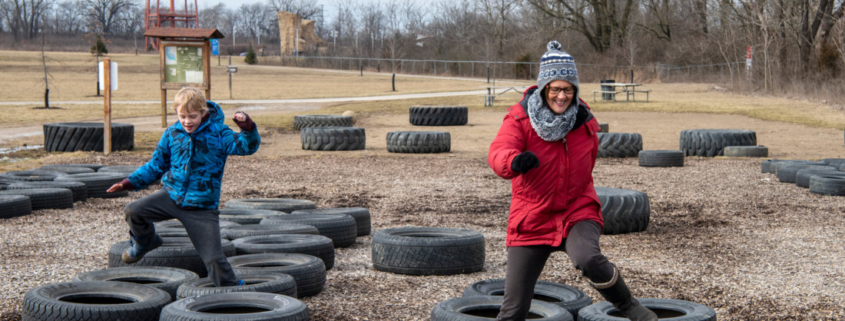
185 60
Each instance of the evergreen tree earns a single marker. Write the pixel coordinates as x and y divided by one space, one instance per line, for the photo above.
250 55
99 47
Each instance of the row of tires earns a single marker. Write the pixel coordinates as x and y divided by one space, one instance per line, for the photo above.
354 138
56 186
693 142
825 177
418 115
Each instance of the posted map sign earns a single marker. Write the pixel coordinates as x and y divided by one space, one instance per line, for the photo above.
215 47
183 64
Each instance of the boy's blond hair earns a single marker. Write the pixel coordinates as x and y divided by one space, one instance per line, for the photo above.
191 99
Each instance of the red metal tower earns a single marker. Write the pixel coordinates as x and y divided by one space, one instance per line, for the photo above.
156 16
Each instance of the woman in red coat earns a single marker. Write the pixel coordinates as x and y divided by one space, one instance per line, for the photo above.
547 147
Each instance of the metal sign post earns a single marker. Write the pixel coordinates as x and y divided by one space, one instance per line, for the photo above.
231 70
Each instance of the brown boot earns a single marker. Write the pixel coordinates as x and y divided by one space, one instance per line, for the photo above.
616 292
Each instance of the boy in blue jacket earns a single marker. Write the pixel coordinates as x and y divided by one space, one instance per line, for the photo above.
191 156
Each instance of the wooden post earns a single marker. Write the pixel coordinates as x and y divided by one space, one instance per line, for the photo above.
106 105
206 48
164 108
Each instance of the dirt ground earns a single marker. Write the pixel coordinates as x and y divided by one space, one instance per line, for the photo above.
721 233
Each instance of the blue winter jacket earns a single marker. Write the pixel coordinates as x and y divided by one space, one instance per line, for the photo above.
193 164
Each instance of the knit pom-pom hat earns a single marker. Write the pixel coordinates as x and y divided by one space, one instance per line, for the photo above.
556 64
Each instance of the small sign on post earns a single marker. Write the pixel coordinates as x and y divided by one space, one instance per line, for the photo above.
748 61
108 75
231 70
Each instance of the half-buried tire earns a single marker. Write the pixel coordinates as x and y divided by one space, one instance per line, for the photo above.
558 294
44 198
418 142
177 252
78 189
308 271
276 204
746 151
340 228
71 137
428 251
828 184
360 214
478 308
14 206
316 245
164 278
253 306
624 211
277 283
93 300
233 233
666 309
97 183
661 158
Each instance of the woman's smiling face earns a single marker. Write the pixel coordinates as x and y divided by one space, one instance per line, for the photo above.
557 97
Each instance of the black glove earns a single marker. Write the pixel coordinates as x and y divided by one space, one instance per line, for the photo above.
525 161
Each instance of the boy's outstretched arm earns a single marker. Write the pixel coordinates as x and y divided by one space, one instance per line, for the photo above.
247 141
149 172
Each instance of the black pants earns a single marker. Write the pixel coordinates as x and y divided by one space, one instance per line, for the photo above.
203 228
525 263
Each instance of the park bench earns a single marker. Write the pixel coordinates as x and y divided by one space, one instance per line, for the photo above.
613 93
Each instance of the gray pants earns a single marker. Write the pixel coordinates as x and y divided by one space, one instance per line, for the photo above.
525 263
203 228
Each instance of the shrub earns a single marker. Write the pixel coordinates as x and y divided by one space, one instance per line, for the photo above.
250 55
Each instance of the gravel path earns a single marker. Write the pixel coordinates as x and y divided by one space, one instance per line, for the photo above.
722 234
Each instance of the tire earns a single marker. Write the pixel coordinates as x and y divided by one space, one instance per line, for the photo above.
98 183
241 306
711 142
163 278
172 232
124 170
245 217
234 233
624 211
14 206
604 128
94 167
286 205
620 145
44 198
174 223
419 142
316 245
438 116
836 162
768 166
478 308
77 189
303 121
361 215
802 177
828 184
71 137
558 294
783 163
341 228
787 173
428 251
66 169
32 175
308 270
333 138
176 252
277 283
746 151
661 158
93 301
666 309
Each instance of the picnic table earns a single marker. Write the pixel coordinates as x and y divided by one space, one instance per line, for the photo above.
630 90
490 97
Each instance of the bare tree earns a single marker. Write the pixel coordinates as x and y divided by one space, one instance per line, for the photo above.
69 16
106 12
603 22
307 9
23 17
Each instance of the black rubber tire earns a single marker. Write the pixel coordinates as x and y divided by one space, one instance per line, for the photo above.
333 138
71 137
66 169
661 158
746 151
286 205
620 145
836 162
787 173
236 306
234 233
78 189
164 278
360 214
564 296
428 251
309 271
245 217
44 198
438 116
267 282
666 309
418 142
768 166
176 252
477 308
32 175
711 142
827 184
14 206
777 165
624 211
173 232
303 121
341 228
802 177
94 167
124 170
98 183
71 301
316 245
174 223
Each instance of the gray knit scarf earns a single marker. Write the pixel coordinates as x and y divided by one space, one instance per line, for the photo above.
550 127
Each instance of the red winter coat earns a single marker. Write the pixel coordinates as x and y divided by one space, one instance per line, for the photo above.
548 200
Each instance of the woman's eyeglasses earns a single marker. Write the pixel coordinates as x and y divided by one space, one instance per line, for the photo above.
556 90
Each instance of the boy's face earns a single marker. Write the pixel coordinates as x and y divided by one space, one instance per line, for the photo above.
190 120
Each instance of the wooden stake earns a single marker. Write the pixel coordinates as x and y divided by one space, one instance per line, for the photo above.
107 105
